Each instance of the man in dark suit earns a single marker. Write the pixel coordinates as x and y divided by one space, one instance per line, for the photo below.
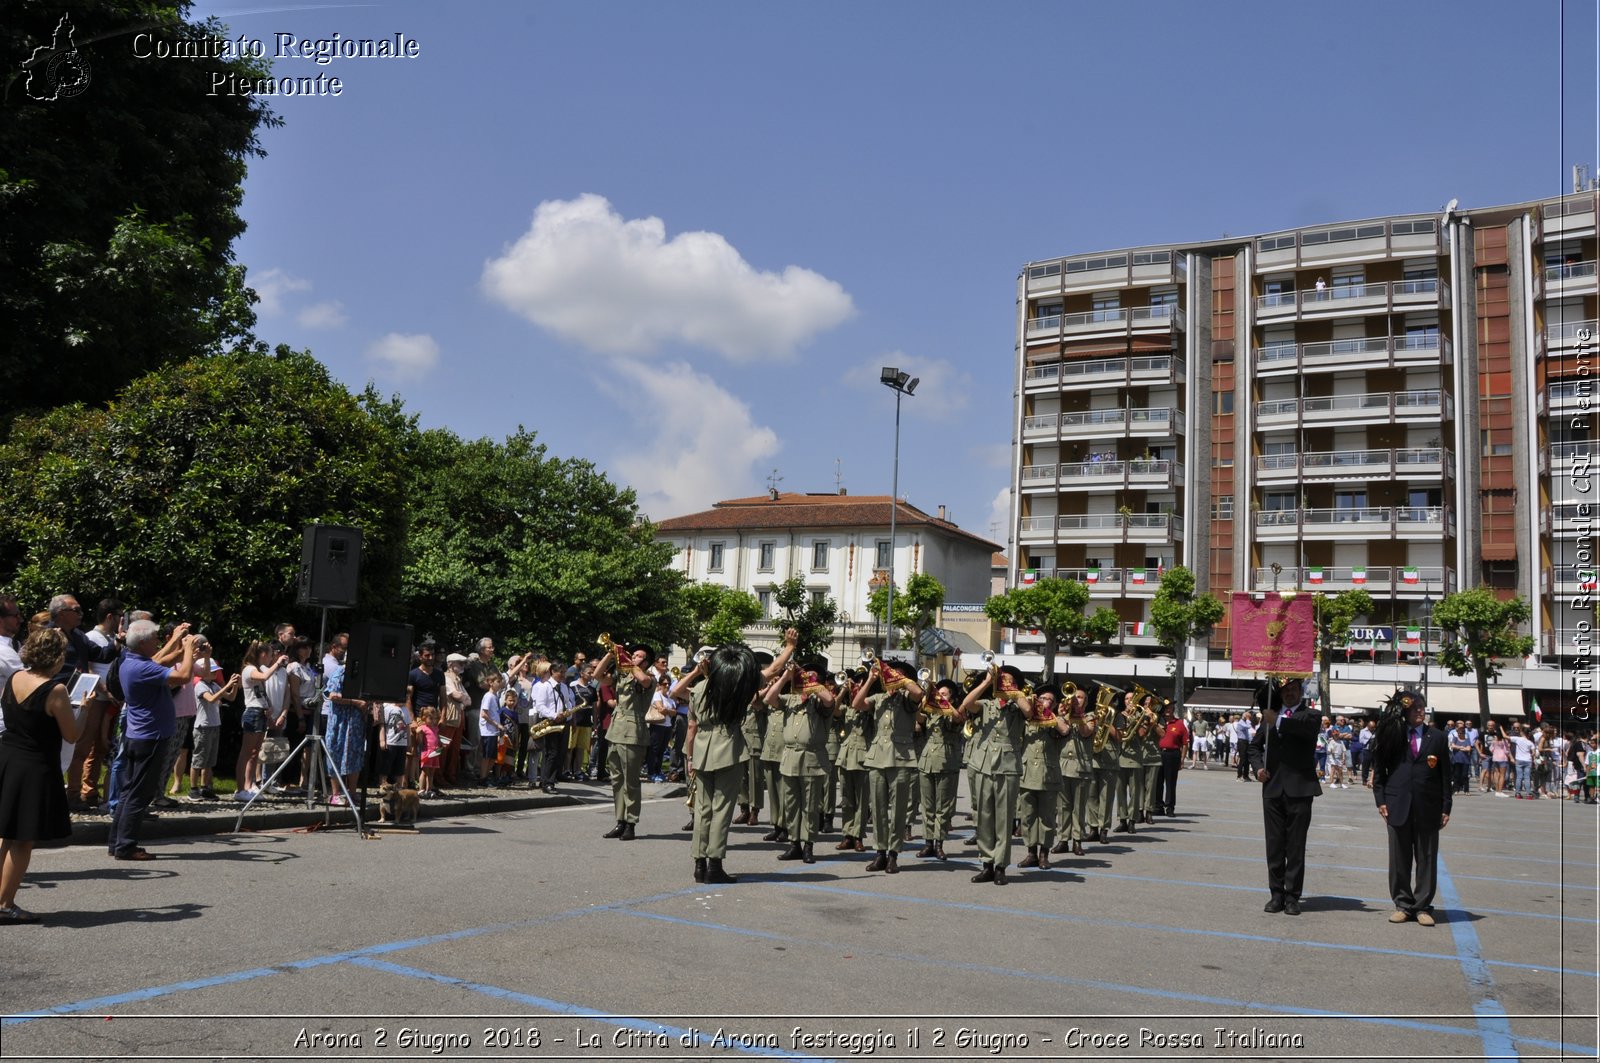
1283 758
1410 783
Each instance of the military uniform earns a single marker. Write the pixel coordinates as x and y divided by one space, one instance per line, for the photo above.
1077 781
830 796
996 764
719 766
628 736
1130 770
938 777
771 760
1039 786
752 787
806 723
1151 794
853 773
890 761
1104 793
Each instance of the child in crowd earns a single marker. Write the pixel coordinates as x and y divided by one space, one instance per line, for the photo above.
394 741
426 732
207 727
489 726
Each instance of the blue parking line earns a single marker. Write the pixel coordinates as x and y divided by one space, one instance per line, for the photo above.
152 992
559 1007
1493 1026
1119 924
859 948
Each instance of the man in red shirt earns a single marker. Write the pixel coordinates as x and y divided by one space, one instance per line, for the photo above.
1174 740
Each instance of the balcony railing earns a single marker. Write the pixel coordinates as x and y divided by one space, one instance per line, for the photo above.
1356 464
1432 579
1343 521
1379 405
1088 372
1572 393
1355 297
1574 579
1570 271
1564 335
1582 451
1140 527
1377 350
1150 421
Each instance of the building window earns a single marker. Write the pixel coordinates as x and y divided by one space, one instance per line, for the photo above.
819 556
1497 445
1222 508
766 554
1221 402
1163 297
765 598
715 564
882 561
818 597
1107 307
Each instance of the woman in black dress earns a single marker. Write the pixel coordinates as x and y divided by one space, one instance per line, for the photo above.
33 799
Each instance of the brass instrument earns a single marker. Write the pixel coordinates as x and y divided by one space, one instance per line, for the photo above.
611 647
677 673
544 727
1147 718
694 782
1105 715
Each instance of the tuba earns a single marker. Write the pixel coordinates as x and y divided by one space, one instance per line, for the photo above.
1105 715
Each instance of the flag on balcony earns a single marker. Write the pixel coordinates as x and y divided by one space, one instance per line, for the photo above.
1410 574
1358 575
1029 576
1314 573
1141 628
1413 634
1092 576
1136 575
1586 580
1538 713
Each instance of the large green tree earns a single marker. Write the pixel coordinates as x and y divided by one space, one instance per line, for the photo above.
534 551
916 606
811 615
1054 606
1334 614
1180 616
119 205
716 615
190 493
1480 627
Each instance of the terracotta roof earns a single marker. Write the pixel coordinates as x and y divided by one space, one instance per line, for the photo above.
798 510
999 561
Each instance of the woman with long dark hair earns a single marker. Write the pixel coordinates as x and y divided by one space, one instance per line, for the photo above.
714 748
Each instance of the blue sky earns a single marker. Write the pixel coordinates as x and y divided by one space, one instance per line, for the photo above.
680 239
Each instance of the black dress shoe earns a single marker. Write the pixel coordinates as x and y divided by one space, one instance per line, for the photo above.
627 832
699 869
794 852
615 832
881 862
810 856
715 874
999 876
986 875
1291 906
1274 906
894 863
1077 848
938 850
771 835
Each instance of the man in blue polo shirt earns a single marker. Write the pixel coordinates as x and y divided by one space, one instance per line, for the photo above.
149 719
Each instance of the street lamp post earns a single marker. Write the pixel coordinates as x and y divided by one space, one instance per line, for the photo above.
901 383
1427 630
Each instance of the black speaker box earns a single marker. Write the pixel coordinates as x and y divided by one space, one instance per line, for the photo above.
378 665
330 566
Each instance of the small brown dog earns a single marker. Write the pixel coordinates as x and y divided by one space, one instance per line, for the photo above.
398 806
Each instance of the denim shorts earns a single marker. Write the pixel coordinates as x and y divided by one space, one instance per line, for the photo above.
253 722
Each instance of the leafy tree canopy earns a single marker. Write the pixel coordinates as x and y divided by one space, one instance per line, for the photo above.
1180 616
119 206
916 606
812 616
1054 606
1479 627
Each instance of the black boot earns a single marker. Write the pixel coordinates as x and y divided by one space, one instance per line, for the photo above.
1032 859
1044 859
810 856
938 850
1077 847
986 875
827 826
926 851
999 876
699 869
894 863
1124 827
794 852
847 845
1133 825
1105 836
1062 847
627 832
715 874
881 862
772 835
689 826
615 832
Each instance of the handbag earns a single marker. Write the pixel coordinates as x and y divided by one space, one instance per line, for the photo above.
274 749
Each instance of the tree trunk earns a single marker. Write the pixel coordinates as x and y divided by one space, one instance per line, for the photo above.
1483 696
1049 657
1177 678
1325 677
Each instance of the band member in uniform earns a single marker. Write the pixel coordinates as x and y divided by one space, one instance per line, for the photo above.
1040 781
1410 783
1077 773
1150 756
807 715
628 735
939 766
1103 796
753 787
1283 755
891 760
857 800
1130 764
714 750
771 761
830 795
996 761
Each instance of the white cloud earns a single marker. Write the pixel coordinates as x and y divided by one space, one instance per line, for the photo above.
700 445
326 314
405 356
620 286
999 517
943 387
272 286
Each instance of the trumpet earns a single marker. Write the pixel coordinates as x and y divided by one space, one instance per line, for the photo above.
610 647
703 655
924 677
688 797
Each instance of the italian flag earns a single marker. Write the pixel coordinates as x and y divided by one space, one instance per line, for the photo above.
1314 574
1538 713
1029 576
1413 634
1586 580
1141 628
1410 574
1093 576
1358 575
1136 575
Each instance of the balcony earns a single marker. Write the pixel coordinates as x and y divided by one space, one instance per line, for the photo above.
1100 528
1037 529
1580 456
1099 372
1569 336
1378 352
1380 407
1159 422
1572 278
1098 324
1139 633
1571 520
1102 272
1102 582
1119 475
1573 216
1403 522
1345 300
1573 396
1038 478
1360 465
1573 581
1377 580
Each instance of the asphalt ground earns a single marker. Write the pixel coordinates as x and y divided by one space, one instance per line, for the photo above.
525 935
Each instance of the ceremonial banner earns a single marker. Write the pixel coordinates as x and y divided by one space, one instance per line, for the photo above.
1274 633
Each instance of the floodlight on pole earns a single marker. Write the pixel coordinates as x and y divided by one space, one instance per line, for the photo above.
902 383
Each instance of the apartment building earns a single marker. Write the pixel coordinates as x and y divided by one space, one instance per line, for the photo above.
1403 404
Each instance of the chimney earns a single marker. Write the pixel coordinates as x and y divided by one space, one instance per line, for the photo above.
941 513
844 491
773 493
